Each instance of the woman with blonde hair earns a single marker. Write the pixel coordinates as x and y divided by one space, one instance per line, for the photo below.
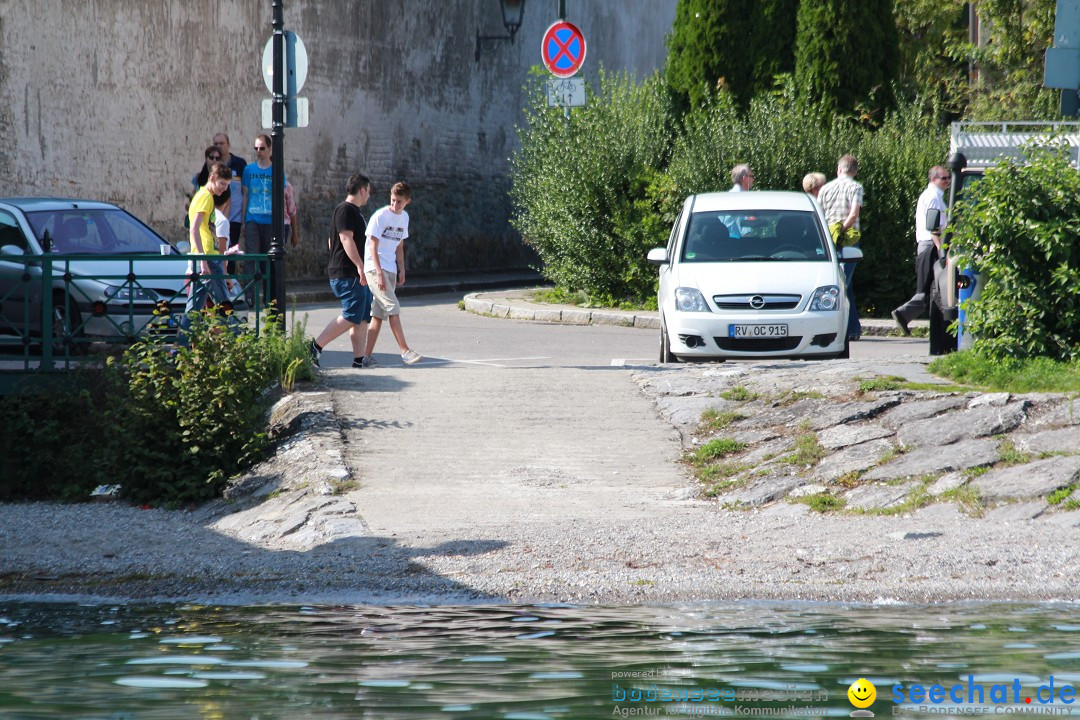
812 182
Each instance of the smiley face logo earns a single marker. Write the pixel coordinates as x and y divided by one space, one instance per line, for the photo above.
862 693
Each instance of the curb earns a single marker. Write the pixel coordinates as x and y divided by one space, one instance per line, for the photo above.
318 291
559 314
506 308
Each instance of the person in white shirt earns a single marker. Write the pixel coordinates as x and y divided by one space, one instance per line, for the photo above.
927 248
384 264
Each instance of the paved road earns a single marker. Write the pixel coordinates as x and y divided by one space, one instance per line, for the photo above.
438 329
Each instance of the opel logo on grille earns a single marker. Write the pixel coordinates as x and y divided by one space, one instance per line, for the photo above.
757 302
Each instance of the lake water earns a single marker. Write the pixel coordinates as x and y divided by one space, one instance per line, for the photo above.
118 661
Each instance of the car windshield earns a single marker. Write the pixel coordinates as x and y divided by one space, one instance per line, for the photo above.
754 236
98 232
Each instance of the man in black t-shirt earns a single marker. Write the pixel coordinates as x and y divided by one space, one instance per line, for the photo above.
346 271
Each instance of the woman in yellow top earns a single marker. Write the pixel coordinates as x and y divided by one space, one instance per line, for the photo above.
209 275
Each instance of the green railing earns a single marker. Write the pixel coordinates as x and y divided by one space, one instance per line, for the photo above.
55 308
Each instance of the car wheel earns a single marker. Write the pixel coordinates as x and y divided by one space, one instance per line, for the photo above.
65 312
665 346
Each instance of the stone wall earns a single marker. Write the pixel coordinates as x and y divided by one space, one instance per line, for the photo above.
116 100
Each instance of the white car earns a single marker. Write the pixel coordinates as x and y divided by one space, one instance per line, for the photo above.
751 275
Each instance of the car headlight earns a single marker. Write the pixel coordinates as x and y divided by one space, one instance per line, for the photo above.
690 300
825 298
125 293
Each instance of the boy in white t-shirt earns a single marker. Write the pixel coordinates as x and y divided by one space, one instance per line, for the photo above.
384 264
221 230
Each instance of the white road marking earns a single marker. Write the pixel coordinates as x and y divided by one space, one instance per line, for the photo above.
492 362
618 362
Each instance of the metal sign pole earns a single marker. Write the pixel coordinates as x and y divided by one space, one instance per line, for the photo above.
277 245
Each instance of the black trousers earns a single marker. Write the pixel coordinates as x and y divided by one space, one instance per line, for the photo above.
924 280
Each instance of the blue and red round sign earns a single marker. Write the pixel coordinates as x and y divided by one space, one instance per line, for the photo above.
563 49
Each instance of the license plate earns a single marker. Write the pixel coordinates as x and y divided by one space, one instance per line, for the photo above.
757 331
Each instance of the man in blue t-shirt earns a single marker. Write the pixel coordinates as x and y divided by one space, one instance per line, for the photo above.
258 206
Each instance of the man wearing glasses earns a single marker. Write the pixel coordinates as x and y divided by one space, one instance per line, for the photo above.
258 209
927 248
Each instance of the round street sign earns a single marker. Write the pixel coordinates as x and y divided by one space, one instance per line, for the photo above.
295 64
563 49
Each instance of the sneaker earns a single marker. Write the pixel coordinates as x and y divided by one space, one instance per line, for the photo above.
370 361
901 323
358 363
315 353
411 357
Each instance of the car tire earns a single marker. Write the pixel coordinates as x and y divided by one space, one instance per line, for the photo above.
64 310
665 346
846 352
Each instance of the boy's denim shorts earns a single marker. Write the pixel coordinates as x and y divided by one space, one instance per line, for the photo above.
355 299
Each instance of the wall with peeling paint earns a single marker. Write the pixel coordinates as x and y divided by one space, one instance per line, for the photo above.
116 100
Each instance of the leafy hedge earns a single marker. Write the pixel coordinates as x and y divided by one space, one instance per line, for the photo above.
1020 226
581 185
170 425
594 192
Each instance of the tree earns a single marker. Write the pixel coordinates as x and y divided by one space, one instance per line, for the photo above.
1009 60
740 45
847 55
931 70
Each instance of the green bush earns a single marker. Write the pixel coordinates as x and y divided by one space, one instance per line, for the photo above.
169 425
782 137
585 187
191 415
594 193
1020 226
51 441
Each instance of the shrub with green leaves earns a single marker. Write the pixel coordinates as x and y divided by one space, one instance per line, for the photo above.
584 187
51 440
782 137
1020 226
191 415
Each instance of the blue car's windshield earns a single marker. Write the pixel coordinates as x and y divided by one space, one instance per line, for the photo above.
98 232
754 235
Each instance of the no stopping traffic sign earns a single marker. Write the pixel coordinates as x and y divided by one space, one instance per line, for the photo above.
563 49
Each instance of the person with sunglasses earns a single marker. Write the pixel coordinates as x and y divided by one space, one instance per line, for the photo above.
257 222
211 155
927 248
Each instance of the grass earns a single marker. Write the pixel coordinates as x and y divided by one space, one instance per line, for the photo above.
967 498
808 451
739 393
889 382
1009 374
713 419
710 473
823 502
340 487
895 382
578 298
793 396
1009 455
716 448
1061 495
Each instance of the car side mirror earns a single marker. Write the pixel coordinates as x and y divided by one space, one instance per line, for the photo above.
658 256
933 219
850 254
13 250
